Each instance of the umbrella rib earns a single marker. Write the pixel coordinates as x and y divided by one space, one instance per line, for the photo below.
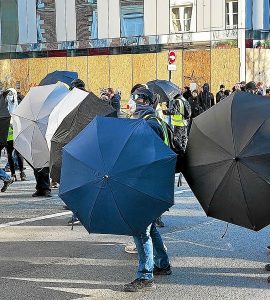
119 208
252 137
259 175
131 187
248 210
213 141
218 187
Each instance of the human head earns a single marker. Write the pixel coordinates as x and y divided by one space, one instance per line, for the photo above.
237 87
267 92
194 93
251 87
143 96
227 93
222 88
206 87
77 83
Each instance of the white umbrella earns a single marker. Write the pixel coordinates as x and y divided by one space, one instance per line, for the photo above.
30 121
72 100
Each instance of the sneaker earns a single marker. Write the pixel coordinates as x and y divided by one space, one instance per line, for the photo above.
139 285
23 176
159 272
37 194
159 222
54 185
74 221
131 248
267 267
6 185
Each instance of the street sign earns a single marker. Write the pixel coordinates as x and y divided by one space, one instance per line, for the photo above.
171 67
172 57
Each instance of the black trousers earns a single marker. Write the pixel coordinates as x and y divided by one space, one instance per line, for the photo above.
43 179
10 148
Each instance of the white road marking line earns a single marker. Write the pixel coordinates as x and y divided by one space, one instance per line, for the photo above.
181 192
35 219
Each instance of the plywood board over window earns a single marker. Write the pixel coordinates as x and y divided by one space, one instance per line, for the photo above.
19 74
79 64
57 64
196 67
38 69
5 77
144 67
121 74
98 73
225 68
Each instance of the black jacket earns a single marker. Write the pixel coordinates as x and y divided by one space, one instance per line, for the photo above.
220 96
206 100
196 109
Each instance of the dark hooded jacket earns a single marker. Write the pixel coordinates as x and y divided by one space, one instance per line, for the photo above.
206 99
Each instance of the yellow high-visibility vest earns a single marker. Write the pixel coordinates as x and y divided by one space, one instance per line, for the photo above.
178 119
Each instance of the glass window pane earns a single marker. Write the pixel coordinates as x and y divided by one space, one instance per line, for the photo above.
86 19
235 19
235 7
132 22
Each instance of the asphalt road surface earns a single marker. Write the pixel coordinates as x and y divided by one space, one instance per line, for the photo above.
42 258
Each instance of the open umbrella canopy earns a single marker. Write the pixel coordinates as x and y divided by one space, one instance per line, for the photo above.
64 76
68 103
117 176
166 89
72 124
228 160
4 120
30 121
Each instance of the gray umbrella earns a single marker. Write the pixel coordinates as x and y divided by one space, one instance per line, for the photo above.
30 121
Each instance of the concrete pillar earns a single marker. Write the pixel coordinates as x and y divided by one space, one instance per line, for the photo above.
258 6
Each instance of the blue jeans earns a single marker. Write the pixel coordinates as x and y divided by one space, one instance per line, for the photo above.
151 252
4 176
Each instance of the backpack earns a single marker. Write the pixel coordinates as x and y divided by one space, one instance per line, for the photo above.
171 141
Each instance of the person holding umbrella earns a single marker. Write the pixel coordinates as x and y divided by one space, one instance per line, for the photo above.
153 258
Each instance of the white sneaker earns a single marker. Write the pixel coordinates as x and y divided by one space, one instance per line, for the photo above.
131 248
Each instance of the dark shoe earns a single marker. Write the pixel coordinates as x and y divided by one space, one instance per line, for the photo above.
6 185
23 176
267 267
159 272
139 285
14 177
38 194
159 222
268 279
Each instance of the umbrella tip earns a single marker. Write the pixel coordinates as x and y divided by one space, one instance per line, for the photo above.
106 177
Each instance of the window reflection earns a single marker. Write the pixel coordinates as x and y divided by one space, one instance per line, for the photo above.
46 21
86 19
182 14
132 23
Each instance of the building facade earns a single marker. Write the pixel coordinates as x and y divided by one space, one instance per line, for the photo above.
121 42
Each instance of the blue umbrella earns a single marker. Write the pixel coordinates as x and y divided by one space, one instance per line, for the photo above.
63 76
117 176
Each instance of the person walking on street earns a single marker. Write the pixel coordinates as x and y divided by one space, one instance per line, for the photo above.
206 98
152 254
220 95
12 103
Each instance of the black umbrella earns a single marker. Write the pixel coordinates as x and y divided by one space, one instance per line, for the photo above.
166 89
73 123
228 160
4 120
